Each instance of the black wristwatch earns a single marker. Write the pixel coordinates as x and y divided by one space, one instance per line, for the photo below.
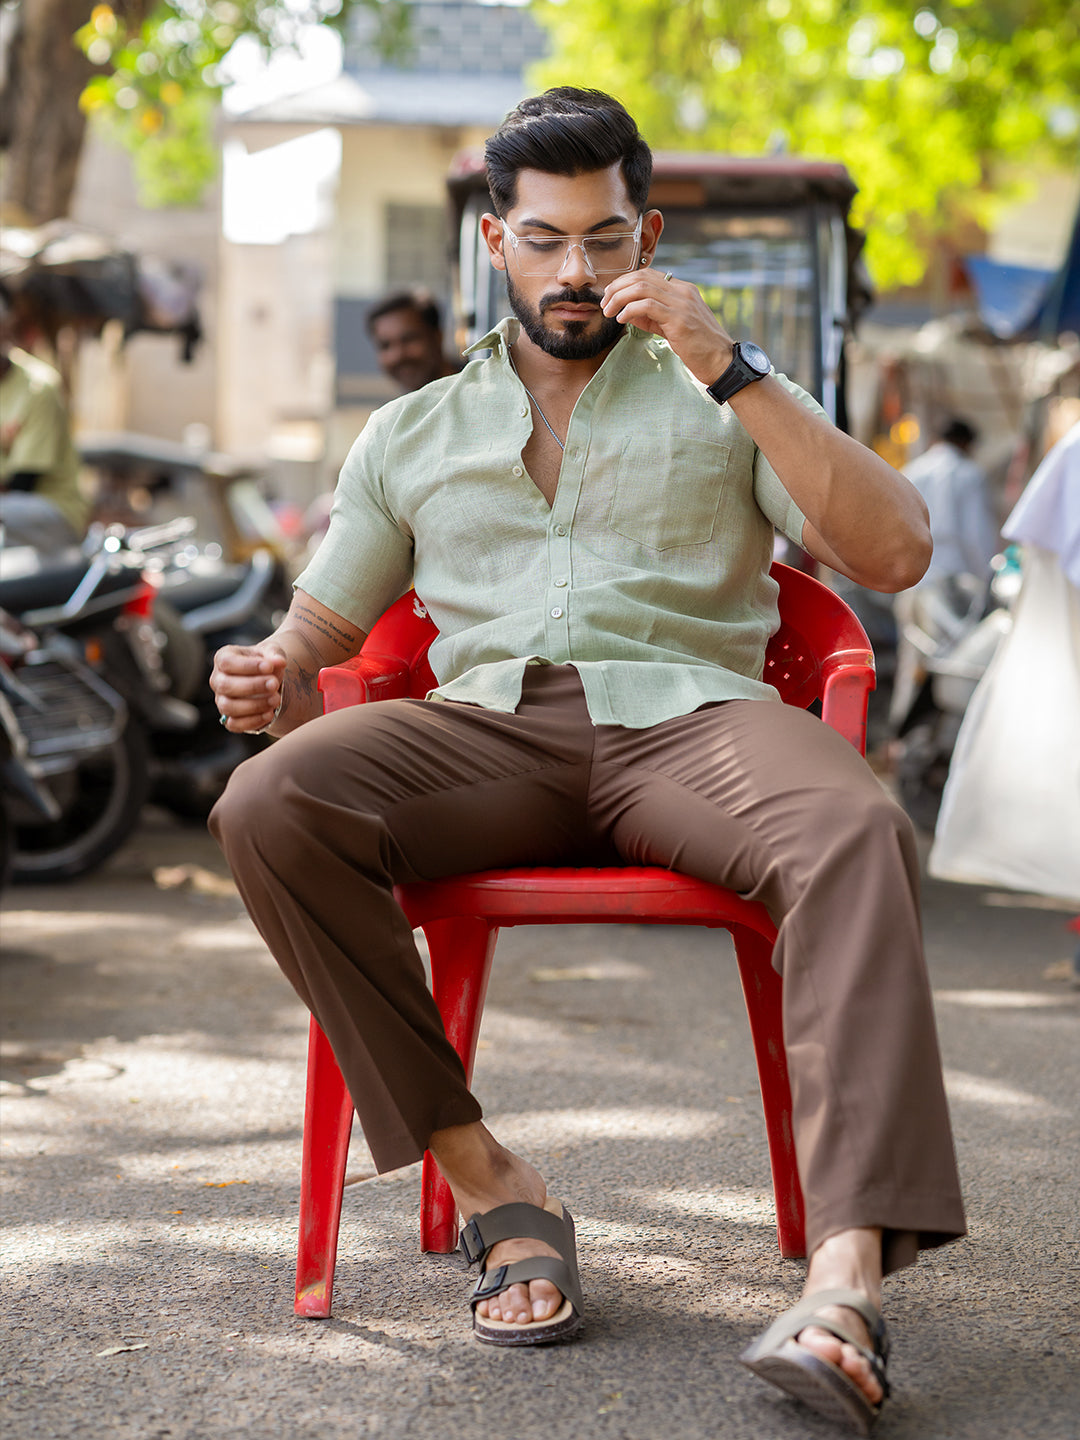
748 363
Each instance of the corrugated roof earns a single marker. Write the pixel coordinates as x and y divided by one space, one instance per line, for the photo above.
466 67
452 37
393 99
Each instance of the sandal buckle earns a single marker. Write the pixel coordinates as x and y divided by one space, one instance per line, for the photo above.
489 1283
471 1243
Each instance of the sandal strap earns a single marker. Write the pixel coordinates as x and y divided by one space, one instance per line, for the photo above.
807 1312
536 1267
516 1221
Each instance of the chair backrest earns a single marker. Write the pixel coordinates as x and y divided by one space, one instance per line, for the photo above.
819 652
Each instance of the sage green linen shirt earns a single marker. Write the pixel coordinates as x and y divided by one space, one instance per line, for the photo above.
649 573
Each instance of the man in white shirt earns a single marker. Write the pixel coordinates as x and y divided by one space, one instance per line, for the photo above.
955 489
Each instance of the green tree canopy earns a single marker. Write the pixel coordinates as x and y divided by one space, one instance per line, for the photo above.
160 78
151 72
930 108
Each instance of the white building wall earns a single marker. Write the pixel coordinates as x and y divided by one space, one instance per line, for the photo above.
382 166
146 386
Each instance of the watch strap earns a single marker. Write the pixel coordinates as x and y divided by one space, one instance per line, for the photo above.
736 377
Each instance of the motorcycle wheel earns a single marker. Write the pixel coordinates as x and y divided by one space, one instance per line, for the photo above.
100 801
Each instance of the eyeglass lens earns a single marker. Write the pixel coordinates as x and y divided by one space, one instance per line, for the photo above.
547 255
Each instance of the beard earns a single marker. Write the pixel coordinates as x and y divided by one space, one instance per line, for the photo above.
573 342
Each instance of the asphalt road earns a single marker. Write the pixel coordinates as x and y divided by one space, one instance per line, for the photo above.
153 1075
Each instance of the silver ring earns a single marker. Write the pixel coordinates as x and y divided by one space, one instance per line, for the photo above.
223 720
668 276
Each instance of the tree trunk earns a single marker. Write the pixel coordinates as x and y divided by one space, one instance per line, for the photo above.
43 126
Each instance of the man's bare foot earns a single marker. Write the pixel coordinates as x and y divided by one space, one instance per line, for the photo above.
849 1260
482 1174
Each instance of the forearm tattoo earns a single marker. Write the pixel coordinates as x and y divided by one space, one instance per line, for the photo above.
299 688
300 683
347 641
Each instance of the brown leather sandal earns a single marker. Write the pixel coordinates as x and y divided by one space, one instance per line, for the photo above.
815 1381
554 1226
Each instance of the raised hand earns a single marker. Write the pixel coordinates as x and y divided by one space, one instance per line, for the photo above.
676 311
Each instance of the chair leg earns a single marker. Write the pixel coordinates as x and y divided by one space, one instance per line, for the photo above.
461 952
762 990
328 1117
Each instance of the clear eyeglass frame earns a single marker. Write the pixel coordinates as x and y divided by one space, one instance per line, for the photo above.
548 254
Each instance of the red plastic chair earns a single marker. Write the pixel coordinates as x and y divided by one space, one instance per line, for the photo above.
819 652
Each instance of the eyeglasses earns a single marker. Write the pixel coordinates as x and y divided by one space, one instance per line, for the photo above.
604 254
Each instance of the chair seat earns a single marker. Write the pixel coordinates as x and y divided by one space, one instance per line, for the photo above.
555 896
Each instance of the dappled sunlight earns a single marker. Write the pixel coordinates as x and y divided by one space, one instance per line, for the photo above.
977 1090
235 1162
598 968
623 1237
1023 900
34 1245
45 924
743 1207
1007 999
238 934
560 1127
506 1036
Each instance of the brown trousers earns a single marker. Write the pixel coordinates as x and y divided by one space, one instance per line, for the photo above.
759 797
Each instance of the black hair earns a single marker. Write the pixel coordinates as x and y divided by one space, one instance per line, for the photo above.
422 301
566 131
960 433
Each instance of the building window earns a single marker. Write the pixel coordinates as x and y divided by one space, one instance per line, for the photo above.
416 248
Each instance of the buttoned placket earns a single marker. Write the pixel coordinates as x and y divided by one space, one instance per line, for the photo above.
560 591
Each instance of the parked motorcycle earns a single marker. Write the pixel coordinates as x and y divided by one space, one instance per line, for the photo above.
73 763
20 774
948 634
83 692
150 607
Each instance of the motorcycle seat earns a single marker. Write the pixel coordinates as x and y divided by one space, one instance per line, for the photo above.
186 592
54 585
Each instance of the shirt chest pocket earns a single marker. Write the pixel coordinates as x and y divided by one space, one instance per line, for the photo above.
668 489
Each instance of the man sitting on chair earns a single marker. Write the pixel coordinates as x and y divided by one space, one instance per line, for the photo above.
588 513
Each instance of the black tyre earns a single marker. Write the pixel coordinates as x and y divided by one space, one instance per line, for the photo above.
100 802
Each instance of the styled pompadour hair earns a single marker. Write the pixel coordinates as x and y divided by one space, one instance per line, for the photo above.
566 131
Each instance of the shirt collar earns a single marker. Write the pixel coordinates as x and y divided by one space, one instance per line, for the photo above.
499 340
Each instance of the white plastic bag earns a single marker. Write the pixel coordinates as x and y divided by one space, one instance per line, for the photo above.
1010 814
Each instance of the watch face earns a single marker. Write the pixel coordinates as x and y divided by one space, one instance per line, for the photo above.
755 357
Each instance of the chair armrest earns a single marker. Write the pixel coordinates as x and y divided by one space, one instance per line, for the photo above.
848 676
362 679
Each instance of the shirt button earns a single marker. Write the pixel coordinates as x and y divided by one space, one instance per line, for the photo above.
560 529
556 614
524 410
518 470
559 583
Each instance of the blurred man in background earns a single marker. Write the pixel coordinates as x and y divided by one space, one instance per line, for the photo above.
949 598
956 492
40 499
406 331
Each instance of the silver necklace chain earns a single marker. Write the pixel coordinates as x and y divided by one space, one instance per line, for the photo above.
536 402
